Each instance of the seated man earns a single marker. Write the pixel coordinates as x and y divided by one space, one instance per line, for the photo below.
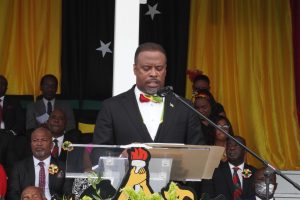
57 125
39 112
40 170
260 185
12 119
232 179
32 193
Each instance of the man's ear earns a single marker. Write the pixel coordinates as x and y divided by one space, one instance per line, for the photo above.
134 69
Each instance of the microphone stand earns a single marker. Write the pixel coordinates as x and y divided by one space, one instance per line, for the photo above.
273 169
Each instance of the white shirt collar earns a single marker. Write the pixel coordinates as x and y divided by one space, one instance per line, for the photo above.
46 161
2 98
241 166
59 140
138 92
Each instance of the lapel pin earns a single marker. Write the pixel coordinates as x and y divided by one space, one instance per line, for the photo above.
171 105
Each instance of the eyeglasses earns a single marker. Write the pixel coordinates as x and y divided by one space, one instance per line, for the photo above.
224 126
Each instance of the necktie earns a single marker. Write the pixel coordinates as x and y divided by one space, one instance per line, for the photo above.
49 108
54 152
42 176
148 98
1 112
236 183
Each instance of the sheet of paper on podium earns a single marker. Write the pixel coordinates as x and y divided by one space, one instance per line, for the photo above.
190 162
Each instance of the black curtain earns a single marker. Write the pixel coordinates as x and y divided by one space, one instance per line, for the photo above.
86 74
170 28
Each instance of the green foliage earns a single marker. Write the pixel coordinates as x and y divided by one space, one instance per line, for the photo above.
140 195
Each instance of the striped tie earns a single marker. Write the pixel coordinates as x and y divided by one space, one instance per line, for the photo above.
237 184
42 176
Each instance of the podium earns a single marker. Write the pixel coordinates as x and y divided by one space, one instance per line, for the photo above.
176 162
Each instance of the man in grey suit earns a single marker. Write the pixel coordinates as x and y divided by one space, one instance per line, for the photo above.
139 115
39 111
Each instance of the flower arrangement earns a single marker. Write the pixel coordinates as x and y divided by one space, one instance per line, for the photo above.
247 173
67 146
53 169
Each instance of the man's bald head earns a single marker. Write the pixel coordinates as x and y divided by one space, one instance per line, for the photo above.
33 193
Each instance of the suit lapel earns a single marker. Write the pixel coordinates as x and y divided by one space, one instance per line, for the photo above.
169 104
31 171
228 176
41 107
246 182
52 176
130 105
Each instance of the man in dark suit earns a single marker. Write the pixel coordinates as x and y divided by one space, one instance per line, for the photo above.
57 124
39 111
139 115
12 119
39 170
233 178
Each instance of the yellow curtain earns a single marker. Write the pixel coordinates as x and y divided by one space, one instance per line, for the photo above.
30 33
245 47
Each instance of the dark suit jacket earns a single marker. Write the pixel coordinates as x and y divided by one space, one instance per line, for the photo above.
120 122
221 183
38 108
13 115
71 136
23 175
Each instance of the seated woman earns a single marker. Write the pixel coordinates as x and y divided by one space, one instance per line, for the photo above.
220 138
3 182
203 104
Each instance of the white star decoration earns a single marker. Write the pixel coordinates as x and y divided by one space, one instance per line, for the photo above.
104 48
152 11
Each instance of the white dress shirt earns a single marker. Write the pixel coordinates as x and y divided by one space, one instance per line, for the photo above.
59 143
152 113
37 171
46 103
239 172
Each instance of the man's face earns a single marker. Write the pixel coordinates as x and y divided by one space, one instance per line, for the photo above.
235 153
203 106
41 143
49 88
32 193
3 86
150 71
56 123
201 85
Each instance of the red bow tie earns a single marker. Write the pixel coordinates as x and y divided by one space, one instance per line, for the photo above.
148 98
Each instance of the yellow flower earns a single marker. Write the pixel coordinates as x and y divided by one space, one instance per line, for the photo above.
67 146
53 169
246 173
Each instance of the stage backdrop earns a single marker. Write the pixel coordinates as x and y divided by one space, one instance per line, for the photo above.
245 47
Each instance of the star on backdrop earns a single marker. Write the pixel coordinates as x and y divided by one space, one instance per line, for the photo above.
104 48
152 11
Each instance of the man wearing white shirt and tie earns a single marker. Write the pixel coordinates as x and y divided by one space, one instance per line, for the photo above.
40 169
234 178
139 115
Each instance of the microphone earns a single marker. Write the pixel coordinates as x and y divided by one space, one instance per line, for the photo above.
162 92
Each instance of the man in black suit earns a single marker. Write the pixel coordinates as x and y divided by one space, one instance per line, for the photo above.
12 119
39 111
39 170
233 178
139 115
57 124
12 124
